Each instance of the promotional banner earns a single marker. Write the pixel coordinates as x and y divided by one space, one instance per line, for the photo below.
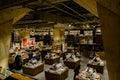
27 42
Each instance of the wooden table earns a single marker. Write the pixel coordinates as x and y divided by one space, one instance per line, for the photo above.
56 76
98 68
52 60
33 71
72 65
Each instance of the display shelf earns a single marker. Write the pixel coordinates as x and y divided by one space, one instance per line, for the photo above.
88 74
55 76
52 60
91 47
82 36
98 68
33 70
96 63
56 72
98 35
72 64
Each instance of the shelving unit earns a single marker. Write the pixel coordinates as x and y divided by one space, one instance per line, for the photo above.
86 37
82 36
90 41
45 36
98 35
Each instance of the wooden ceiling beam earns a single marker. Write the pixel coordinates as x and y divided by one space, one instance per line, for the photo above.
73 10
67 13
46 17
90 5
12 3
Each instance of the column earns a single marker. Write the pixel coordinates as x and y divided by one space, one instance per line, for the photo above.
5 37
56 36
7 18
110 25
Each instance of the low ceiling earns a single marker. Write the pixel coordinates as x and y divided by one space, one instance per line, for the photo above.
49 12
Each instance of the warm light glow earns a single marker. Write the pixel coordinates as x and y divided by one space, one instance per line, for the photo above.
4 62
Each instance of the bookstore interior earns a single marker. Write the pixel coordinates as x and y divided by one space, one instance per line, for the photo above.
57 51
61 50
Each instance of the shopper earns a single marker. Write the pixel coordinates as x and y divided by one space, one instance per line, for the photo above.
43 53
64 56
36 54
76 71
18 61
30 55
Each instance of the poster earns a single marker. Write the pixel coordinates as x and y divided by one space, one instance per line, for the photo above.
27 42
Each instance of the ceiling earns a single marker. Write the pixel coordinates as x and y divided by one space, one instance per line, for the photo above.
49 12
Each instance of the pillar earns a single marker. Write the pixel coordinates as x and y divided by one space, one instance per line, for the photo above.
58 34
7 18
62 35
110 26
5 37
24 34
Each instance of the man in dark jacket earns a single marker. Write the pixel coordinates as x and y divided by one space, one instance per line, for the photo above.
76 71
43 53
18 62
